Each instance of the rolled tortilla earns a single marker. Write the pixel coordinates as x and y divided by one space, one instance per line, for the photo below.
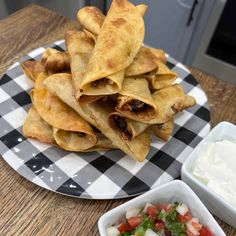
48 52
97 114
163 131
135 99
91 18
57 62
79 47
143 64
159 53
117 44
37 128
128 129
163 78
32 69
169 101
62 117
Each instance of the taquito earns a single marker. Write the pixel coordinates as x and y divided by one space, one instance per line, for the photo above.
37 128
128 129
159 53
118 42
79 47
74 129
97 114
143 64
55 61
32 69
163 78
92 18
163 131
169 101
135 99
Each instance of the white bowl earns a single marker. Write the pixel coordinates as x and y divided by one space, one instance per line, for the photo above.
173 191
215 203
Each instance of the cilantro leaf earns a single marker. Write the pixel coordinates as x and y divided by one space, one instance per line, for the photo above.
146 224
176 228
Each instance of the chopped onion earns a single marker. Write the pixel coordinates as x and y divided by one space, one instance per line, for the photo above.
150 232
146 206
132 212
182 209
113 231
191 228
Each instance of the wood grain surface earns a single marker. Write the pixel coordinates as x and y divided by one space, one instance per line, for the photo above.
26 209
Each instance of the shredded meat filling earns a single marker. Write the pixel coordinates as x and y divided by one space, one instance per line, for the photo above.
101 82
137 105
122 125
81 134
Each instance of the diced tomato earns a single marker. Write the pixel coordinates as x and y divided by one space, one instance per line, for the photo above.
185 218
125 227
152 211
159 225
165 206
205 232
135 221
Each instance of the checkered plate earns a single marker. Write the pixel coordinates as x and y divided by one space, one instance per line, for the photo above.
95 175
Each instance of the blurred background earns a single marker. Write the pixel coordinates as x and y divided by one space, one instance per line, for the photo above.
199 33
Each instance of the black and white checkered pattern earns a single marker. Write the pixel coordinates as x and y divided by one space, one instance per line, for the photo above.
95 175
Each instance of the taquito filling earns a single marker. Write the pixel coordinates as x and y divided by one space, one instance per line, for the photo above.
101 83
121 124
135 105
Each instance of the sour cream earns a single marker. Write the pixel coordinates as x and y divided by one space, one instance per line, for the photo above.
216 168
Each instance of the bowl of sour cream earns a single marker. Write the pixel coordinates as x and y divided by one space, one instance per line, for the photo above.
210 171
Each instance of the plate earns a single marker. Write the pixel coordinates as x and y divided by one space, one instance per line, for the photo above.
95 175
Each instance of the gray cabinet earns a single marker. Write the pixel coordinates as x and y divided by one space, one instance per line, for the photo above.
166 24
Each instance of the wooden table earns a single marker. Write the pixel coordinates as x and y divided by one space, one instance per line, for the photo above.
26 209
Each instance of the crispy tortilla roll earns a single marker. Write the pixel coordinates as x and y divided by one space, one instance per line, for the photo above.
169 101
32 69
159 53
135 100
97 114
142 9
163 78
37 128
79 47
48 52
117 44
55 61
163 131
58 62
128 129
143 64
62 117
91 18
103 143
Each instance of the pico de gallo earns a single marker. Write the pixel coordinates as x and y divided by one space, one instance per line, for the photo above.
161 219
